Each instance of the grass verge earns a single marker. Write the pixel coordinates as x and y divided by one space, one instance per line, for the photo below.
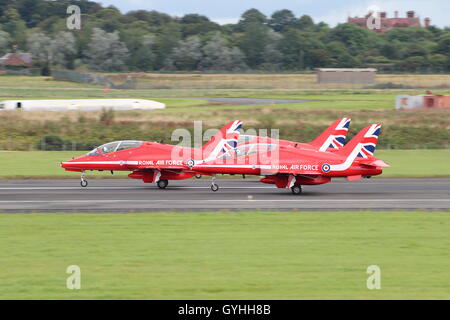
251 255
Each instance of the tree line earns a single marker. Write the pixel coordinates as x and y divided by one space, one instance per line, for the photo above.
141 40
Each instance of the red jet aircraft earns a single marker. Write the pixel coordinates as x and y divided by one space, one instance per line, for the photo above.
289 167
286 164
153 162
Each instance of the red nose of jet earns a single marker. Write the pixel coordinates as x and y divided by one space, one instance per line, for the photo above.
76 164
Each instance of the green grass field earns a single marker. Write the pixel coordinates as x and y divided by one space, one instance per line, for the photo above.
251 255
174 90
45 164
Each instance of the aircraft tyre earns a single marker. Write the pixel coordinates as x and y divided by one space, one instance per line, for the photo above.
162 184
297 189
214 187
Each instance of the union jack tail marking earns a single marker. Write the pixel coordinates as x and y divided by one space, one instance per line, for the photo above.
340 134
333 137
224 141
369 142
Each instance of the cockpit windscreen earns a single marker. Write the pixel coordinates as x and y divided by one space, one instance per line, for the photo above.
115 146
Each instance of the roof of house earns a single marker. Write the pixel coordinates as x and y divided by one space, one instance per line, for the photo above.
16 59
388 23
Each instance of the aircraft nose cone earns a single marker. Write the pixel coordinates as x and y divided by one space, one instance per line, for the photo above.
72 164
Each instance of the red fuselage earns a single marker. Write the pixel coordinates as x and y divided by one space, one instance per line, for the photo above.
144 160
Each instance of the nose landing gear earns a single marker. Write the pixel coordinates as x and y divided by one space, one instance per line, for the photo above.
83 181
214 186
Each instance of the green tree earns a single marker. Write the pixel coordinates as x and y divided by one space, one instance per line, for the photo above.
305 23
40 46
143 58
250 16
282 19
321 58
106 52
355 38
291 46
415 50
187 54
273 58
413 64
195 24
5 39
152 18
64 49
166 40
413 34
253 43
15 26
108 18
444 44
439 62
391 50
217 56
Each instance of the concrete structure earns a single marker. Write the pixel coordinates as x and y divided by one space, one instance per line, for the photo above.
411 20
357 76
422 101
81 105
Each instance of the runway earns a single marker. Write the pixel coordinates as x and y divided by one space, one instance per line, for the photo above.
121 195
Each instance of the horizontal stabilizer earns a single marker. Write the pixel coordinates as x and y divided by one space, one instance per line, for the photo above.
374 163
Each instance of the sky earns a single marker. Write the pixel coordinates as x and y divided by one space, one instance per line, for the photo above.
329 11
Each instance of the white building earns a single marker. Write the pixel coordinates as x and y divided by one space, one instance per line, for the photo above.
409 102
81 105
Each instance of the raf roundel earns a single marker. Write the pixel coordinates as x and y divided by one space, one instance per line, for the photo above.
190 163
326 167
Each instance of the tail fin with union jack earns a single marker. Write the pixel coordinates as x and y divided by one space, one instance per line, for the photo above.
360 148
333 137
224 141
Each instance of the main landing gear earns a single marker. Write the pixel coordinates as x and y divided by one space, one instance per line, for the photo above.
296 189
214 186
83 181
162 184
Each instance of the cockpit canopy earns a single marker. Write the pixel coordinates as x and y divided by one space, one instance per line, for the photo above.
248 149
115 146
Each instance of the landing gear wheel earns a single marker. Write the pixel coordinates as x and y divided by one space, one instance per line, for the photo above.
296 189
214 187
83 181
162 184
198 176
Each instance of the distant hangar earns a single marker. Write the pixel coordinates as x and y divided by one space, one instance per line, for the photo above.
346 75
81 105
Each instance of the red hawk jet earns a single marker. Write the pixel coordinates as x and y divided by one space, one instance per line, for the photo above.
153 162
287 166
